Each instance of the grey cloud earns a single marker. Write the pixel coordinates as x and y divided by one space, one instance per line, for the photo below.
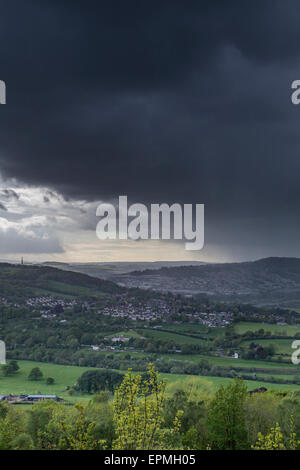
14 242
163 101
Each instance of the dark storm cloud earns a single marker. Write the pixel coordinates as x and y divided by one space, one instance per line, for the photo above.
162 101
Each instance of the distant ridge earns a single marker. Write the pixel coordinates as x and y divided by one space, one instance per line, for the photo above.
22 281
268 280
108 270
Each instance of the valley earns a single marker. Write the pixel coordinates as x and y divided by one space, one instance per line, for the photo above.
68 320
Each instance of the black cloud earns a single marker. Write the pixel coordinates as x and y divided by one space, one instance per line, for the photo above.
162 101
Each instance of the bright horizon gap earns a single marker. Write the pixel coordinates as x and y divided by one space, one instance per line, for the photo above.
17 260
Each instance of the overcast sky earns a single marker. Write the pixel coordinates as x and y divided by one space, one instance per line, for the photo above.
163 101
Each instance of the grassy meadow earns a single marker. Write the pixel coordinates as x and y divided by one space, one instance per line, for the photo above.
282 346
65 376
288 330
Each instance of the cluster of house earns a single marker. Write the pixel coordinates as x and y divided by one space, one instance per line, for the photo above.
213 319
118 339
7 303
154 310
27 399
148 311
115 340
50 302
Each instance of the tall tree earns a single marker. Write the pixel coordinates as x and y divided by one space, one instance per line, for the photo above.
138 414
226 417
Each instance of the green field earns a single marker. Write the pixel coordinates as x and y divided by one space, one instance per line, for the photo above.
265 370
64 376
282 346
195 329
215 382
288 330
70 290
231 362
173 337
127 334
218 361
67 376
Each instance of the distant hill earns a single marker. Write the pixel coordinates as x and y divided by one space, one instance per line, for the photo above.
23 281
270 280
104 270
